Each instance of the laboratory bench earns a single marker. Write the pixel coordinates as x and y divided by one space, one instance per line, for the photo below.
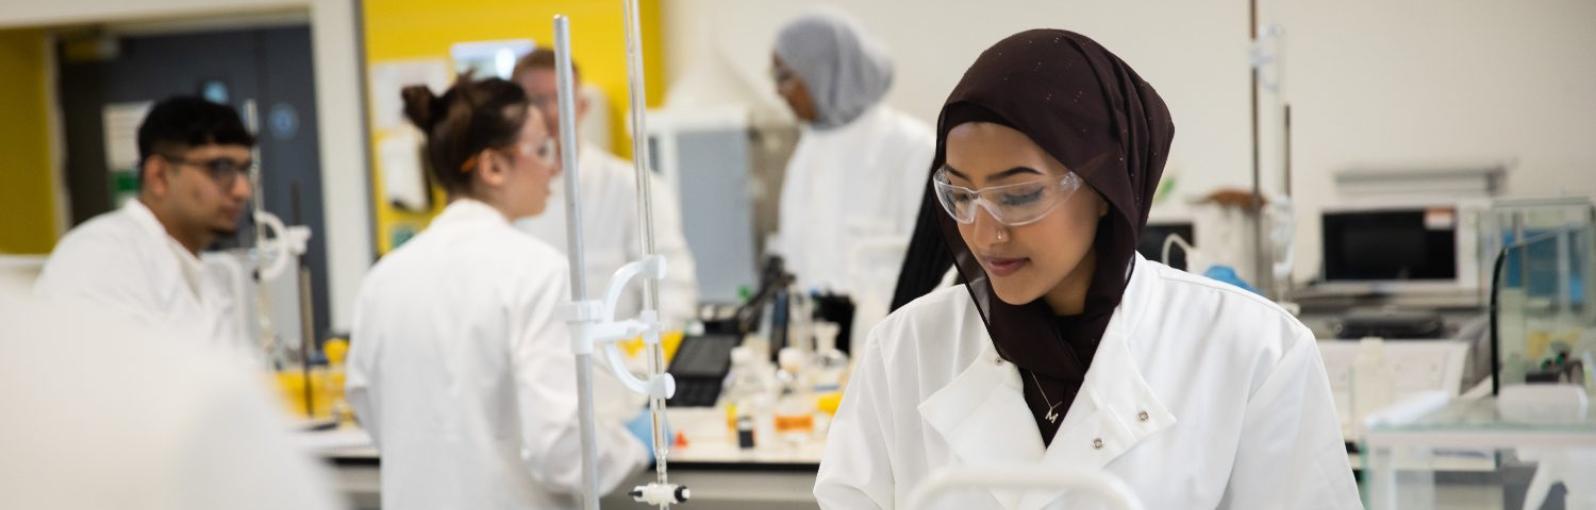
720 475
781 475
724 477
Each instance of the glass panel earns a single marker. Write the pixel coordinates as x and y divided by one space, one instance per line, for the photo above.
1545 324
1474 454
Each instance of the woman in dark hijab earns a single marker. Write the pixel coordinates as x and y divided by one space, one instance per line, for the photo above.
1064 349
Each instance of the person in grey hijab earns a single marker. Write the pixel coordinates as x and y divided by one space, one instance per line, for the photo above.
828 71
852 189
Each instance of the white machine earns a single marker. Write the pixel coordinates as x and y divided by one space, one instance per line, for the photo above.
1408 230
1370 375
1428 246
705 156
1255 243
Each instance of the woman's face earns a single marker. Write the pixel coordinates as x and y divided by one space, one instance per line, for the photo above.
793 90
532 161
1023 262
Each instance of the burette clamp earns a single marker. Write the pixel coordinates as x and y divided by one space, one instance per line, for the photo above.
658 494
594 327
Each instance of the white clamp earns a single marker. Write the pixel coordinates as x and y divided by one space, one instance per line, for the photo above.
287 243
656 494
593 324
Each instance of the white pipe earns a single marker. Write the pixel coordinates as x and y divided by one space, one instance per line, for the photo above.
269 342
573 236
645 216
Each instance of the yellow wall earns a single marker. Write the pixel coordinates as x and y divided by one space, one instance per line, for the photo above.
27 206
413 29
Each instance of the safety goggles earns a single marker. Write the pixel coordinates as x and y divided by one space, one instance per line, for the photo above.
222 170
1010 204
548 152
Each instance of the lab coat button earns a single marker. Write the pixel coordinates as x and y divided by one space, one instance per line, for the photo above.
1097 444
1142 416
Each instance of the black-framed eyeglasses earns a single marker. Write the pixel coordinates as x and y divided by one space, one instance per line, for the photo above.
222 170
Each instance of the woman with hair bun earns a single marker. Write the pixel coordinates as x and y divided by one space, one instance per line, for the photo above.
461 368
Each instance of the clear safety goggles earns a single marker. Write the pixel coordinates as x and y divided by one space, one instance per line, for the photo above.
1010 204
548 152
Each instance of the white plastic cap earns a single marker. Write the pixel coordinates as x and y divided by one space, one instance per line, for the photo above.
790 359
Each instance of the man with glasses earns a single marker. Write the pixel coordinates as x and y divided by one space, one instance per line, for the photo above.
609 214
143 259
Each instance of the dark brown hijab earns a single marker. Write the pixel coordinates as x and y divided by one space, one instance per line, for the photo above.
1091 112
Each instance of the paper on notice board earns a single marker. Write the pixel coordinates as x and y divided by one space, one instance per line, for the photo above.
404 181
121 121
391 77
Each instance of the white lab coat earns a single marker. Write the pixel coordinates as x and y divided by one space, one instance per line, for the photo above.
1200 395
105 411
849 189
461 370
125 261
611 236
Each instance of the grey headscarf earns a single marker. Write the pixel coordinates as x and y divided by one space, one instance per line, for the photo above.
846 71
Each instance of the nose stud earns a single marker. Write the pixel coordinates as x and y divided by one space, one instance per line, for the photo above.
1002 234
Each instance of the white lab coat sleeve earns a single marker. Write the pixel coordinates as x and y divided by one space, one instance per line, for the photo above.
678 294
546 395
1291 453
360 368
856 468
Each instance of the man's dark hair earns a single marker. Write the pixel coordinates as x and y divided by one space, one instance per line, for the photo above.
183 122
542 58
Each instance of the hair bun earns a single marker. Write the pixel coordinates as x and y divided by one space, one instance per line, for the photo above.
419 103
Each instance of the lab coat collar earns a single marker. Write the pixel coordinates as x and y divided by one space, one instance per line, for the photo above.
983 416
144 217
464 211
146 220
189 265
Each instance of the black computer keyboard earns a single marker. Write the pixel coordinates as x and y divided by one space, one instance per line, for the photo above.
700 367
